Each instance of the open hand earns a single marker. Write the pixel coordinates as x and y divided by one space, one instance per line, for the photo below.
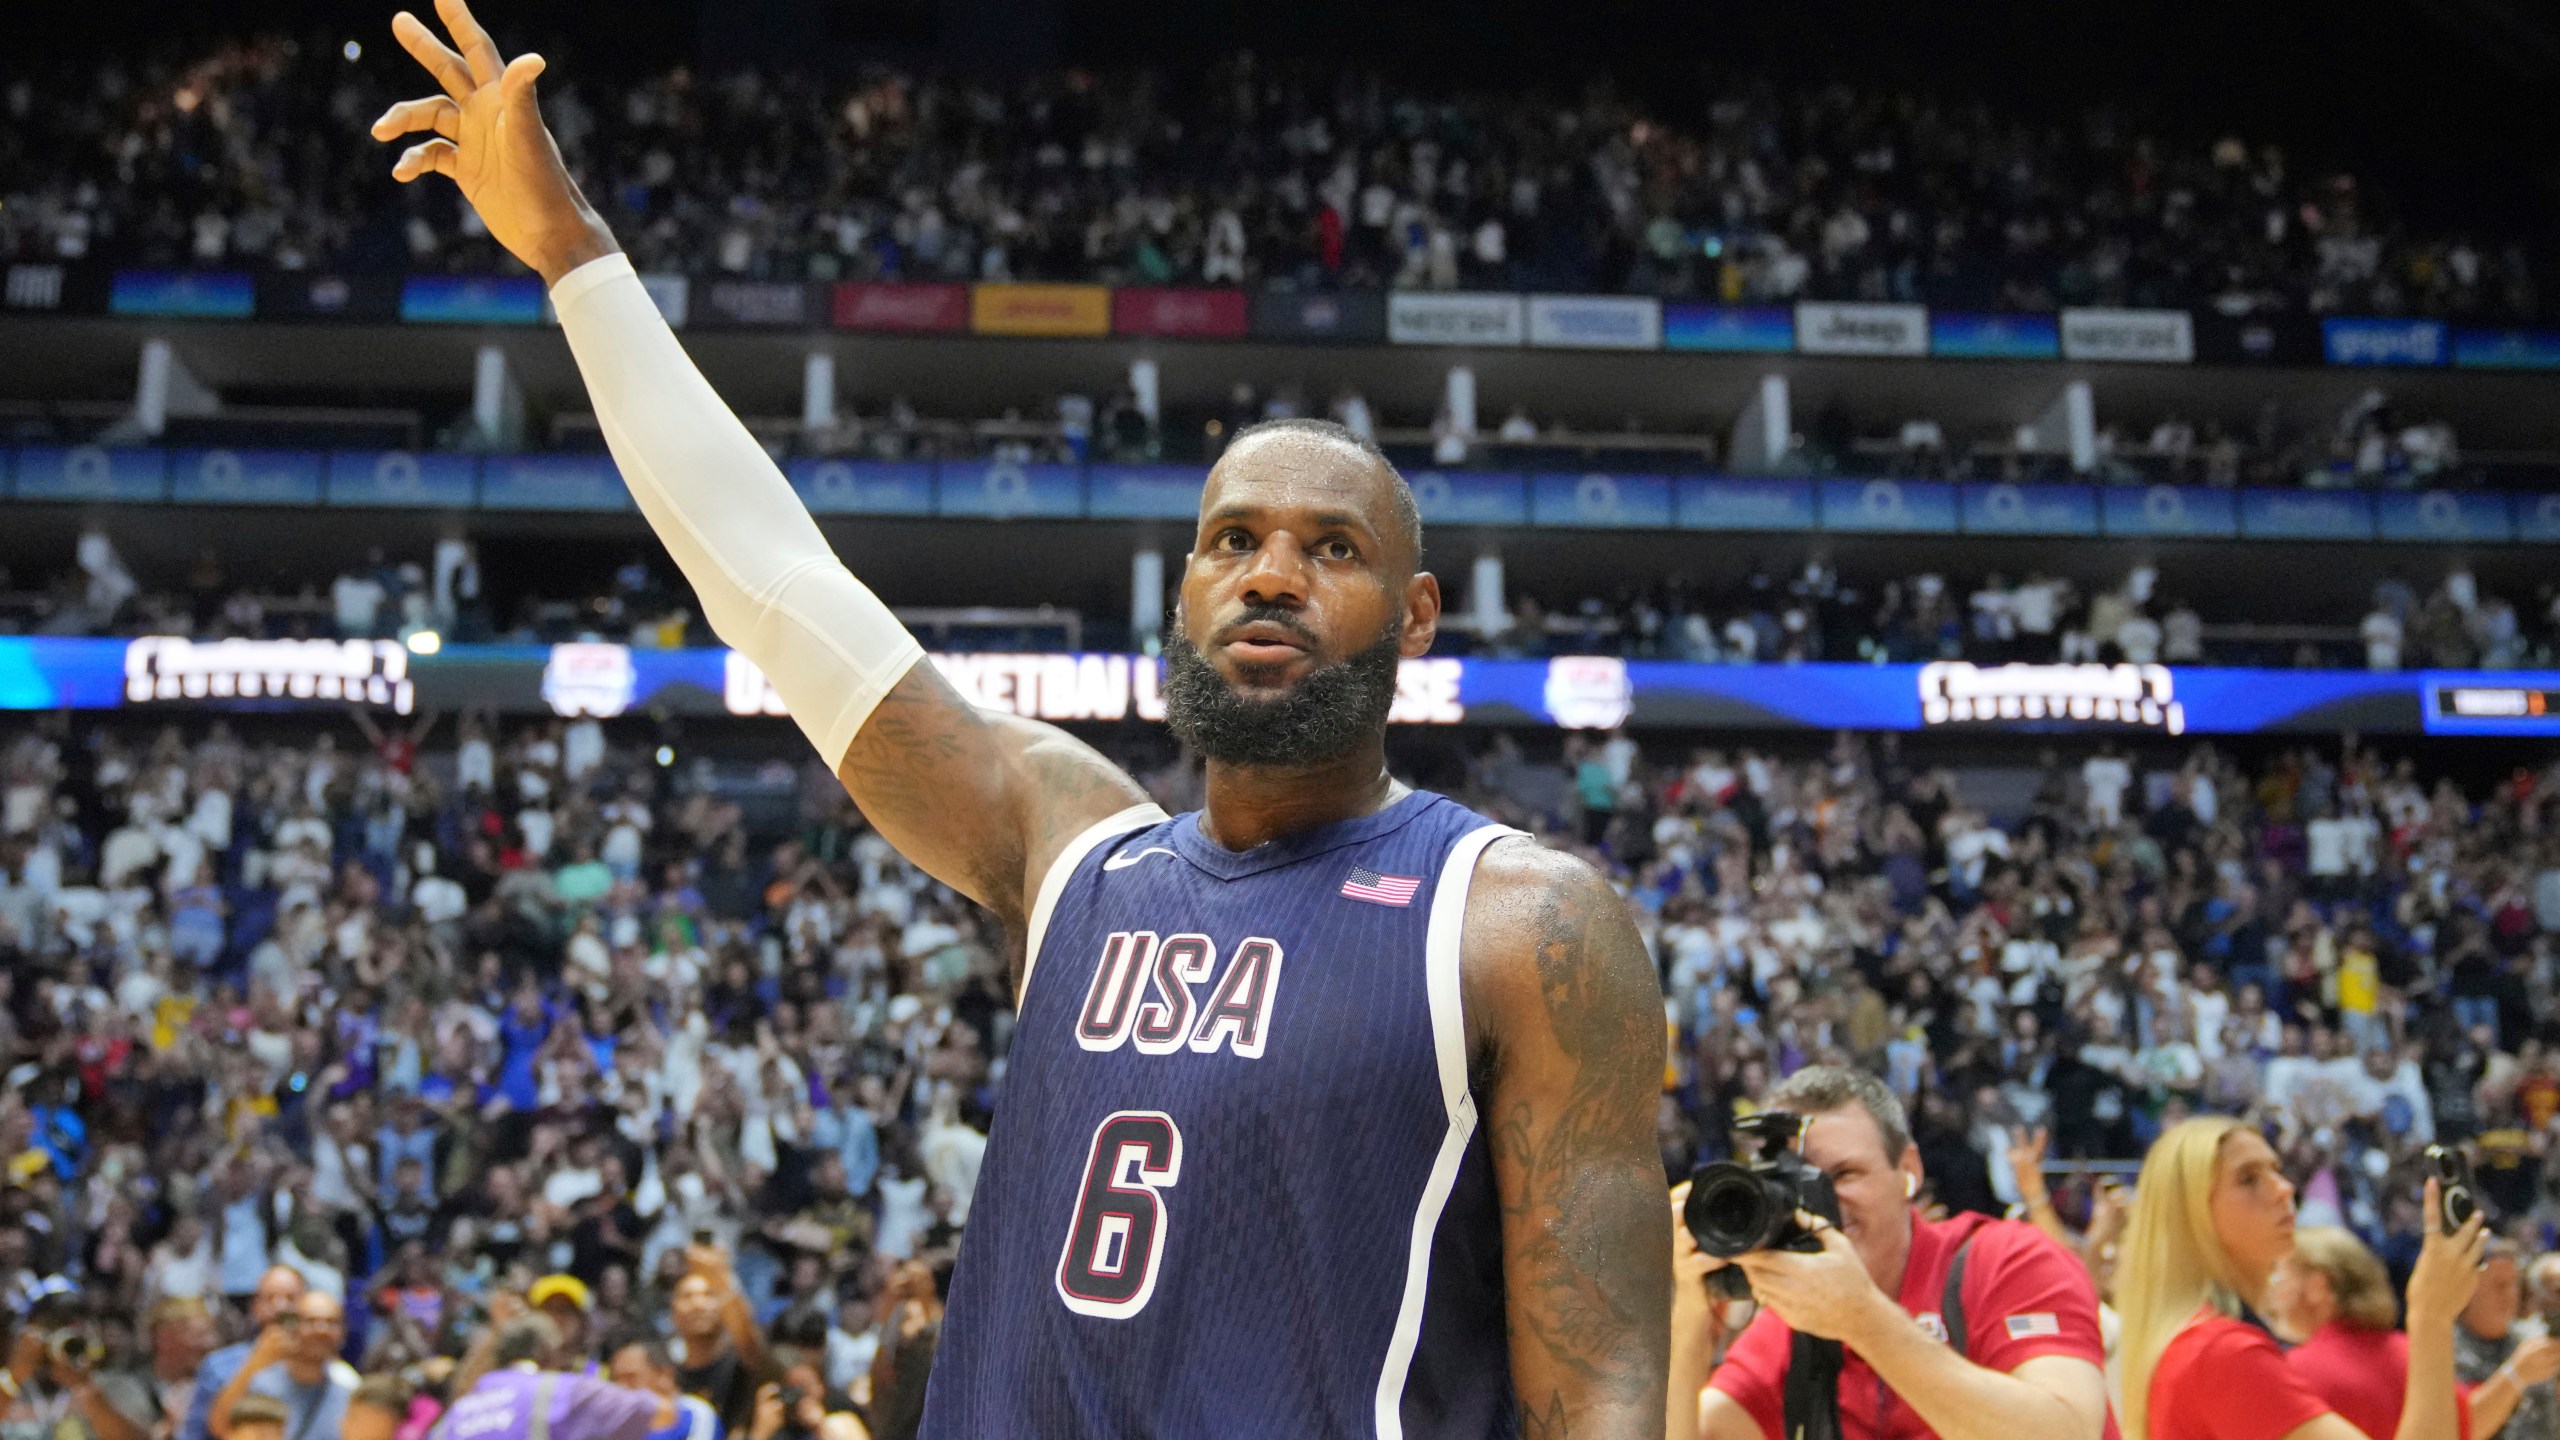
490 140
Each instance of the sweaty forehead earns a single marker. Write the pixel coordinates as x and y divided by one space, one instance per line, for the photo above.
1295 471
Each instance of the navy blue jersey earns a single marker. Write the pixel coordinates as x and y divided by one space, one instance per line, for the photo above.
1236 1186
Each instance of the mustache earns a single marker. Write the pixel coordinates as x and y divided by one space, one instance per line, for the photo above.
1269 614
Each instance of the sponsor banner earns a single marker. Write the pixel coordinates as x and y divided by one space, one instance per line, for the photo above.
86 472
552 482
912 309
718 304
184 294
1415 318
2003 509
1058 311
1924 506
1613 501
863 487
292 295
1744 504
54 289
2442 515
1826 328
1209 314
1352 317
2537 518
2507 349
1470 497
2384 342
2305 515
1993 337
1003 490
2168 511
2257 339
2142 337
1732 329
1144 492
473 300
164 672
245 477
1590 322
401 478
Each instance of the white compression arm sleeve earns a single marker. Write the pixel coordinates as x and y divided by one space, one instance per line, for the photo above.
770 586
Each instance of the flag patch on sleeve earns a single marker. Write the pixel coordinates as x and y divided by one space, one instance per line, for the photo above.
2033 1324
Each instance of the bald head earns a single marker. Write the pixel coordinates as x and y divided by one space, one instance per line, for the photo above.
1304 445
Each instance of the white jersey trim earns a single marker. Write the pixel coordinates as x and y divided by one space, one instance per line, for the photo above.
1063 869
1449 1044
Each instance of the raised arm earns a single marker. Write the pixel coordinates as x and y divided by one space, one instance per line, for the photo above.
982 803
1564 1014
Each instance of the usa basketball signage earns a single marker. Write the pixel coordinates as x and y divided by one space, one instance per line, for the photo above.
362 672
1097 687
2138 695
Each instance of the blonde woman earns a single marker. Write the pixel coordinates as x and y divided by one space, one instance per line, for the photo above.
2212 1216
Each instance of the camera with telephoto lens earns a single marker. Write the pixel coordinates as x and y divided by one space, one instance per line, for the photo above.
2455 1197
1736 1207
76 1349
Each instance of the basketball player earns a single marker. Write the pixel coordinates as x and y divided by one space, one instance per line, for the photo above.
1330 1109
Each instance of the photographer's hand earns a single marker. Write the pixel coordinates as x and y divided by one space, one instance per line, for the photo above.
1694 1322
1828 1295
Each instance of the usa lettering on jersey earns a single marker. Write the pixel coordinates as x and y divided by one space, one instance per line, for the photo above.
1144 994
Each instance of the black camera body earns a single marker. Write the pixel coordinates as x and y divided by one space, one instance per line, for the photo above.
1736 1206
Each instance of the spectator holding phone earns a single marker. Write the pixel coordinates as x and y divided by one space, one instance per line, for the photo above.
295 1360
2212 1217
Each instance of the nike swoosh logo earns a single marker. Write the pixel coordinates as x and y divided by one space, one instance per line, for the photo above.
1123 862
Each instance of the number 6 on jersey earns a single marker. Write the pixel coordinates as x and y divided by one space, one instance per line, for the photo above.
1108 1268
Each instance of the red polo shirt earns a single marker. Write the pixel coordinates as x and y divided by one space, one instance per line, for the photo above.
2221 1379
2024 1296
2362 1374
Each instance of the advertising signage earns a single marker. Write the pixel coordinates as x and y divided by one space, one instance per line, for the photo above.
1573 692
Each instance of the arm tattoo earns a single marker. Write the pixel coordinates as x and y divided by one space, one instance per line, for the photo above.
974 799
1584 1195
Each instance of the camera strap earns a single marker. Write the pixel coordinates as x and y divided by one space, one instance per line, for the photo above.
1951 1303
1812 1397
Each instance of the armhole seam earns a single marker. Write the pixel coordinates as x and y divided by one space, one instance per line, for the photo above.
1054 883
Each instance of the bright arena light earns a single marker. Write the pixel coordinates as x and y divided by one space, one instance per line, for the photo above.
425 642
354 50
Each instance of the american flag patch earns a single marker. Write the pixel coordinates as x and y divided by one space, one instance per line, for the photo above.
1380 889
2033 1324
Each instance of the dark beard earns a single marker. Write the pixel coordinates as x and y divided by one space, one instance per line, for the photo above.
1329 712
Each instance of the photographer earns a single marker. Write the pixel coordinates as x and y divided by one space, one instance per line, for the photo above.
50 1387
2031 1358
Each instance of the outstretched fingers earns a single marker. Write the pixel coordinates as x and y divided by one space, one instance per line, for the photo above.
439 113
478 50
427 50
438 156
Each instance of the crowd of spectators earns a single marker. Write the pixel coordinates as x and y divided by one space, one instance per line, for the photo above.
403 1037
2035 616
1759 616
253 154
